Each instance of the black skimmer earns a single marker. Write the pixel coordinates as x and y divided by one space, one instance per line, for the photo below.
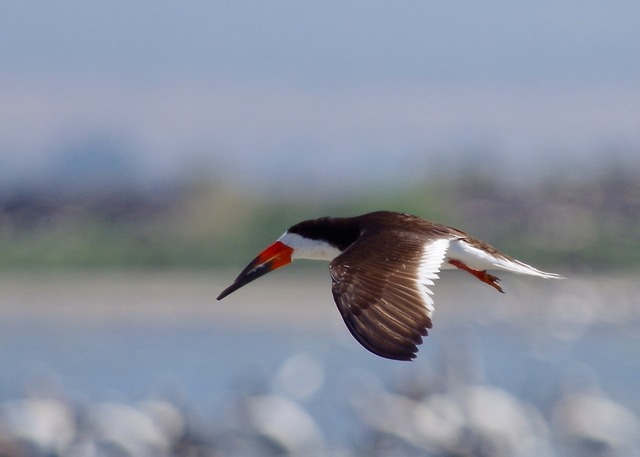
382 267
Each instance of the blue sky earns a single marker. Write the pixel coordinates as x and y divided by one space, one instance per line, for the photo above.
323 90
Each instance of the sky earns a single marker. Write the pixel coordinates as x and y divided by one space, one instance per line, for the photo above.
292 93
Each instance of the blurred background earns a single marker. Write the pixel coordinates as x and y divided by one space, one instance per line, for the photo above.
149 150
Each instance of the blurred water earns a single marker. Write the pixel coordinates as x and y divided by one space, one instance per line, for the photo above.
206 365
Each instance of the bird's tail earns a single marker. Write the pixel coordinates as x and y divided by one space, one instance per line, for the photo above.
486 257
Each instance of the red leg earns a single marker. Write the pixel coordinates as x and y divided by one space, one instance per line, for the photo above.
481 275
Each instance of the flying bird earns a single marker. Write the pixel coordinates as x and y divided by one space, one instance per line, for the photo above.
382 265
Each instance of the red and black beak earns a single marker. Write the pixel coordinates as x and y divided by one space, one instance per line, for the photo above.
275 256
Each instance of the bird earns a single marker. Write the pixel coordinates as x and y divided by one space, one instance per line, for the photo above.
382 266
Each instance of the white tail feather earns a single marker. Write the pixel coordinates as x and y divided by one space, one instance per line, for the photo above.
478 259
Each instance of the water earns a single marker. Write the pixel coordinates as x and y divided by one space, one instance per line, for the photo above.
208 363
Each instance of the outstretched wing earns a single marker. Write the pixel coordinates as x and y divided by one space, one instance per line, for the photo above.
381 287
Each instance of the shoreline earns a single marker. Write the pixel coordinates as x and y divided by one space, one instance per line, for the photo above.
300 298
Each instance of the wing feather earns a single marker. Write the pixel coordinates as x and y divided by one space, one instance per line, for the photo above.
381 288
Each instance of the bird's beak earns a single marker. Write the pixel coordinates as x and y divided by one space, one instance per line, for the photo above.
275 256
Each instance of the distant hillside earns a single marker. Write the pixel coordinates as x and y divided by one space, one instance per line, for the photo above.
588 222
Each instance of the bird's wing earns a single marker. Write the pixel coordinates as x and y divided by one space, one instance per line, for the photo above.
381 286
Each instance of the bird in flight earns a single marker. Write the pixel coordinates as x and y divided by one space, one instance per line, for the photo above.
382 265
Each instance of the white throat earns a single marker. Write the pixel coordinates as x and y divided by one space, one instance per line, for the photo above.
305 248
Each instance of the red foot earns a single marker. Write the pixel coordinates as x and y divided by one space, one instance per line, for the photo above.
481 275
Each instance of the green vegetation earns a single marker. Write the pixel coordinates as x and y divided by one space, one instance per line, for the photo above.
580 223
